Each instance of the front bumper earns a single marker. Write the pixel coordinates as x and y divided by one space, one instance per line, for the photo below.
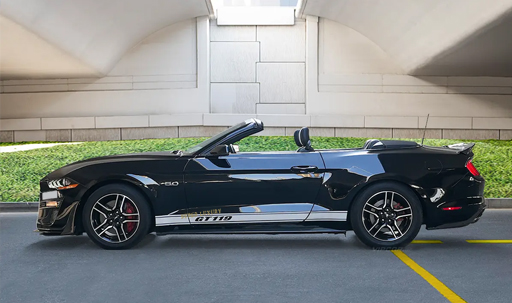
57 220
60 219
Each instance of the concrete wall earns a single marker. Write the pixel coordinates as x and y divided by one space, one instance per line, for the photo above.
159 75
167 73
351 82
356 77
258 69
194 78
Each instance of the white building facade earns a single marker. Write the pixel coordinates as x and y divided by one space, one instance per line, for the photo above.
171 68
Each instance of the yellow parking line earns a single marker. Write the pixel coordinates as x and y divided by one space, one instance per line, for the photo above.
438 285
427 242
490 241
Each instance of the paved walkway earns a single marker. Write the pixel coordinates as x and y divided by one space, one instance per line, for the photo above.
16 148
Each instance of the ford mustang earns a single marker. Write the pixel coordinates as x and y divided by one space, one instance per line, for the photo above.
384 191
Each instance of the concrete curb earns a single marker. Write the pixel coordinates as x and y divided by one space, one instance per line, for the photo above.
499 202
33 206
18 206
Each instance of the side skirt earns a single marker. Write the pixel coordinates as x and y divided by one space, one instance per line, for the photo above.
270 231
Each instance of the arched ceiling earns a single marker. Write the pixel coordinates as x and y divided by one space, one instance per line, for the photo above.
431 37
85 38
24 54
88 36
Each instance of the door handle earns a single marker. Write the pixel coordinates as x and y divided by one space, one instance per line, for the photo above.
304 169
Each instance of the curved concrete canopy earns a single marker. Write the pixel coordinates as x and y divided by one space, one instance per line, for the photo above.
434 37
24 54
96 33
487 53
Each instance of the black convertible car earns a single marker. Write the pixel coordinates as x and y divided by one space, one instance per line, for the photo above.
383 191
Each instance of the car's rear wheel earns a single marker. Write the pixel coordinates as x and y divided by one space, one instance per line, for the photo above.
386 215
116 216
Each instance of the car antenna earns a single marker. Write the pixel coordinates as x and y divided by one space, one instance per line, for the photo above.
425 130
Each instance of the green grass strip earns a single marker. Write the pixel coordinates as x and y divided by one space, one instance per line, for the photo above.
20 172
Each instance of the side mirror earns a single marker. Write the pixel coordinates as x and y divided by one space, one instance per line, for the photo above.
220 150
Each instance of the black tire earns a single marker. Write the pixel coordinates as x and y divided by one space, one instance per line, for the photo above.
394 225
102 212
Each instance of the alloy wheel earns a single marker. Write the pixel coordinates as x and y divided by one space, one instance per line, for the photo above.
115 218
387 216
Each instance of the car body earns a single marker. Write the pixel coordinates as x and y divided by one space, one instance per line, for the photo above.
212 188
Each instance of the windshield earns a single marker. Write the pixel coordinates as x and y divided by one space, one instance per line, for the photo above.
203 144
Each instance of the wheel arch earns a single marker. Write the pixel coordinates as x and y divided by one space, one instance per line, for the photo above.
418 191
83 199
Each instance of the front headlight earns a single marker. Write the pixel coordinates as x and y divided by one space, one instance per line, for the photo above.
60 184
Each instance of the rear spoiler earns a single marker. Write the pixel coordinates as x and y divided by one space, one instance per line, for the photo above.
462 148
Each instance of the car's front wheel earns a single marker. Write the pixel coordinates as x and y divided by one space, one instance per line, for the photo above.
386 215
116 216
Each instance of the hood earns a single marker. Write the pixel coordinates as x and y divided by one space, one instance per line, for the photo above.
65 170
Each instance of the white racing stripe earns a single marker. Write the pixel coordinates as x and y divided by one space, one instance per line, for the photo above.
256 217
327 216
171 220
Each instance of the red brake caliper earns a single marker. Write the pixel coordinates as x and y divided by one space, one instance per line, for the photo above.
398 206
130 210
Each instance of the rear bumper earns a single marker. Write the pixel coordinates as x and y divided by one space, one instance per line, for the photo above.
458 218
463 204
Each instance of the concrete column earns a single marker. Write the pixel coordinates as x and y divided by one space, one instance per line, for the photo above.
311 61
203 62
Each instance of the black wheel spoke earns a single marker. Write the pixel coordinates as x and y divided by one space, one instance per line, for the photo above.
402 209
115 202
398 228
104 230
123 232
370 212
122 204
403 216
392 231
374 207
380 228
374 225
100 226
117 233
103 206
99 211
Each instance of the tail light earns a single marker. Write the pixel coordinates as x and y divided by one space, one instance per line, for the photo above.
472 169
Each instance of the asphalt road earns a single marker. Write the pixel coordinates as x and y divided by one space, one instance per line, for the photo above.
255 268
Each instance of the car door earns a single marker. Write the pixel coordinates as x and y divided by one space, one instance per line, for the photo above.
252 187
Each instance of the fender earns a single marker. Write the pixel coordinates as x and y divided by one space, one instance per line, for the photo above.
147 185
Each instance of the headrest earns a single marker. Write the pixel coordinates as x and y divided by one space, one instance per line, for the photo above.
296 136
301 137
